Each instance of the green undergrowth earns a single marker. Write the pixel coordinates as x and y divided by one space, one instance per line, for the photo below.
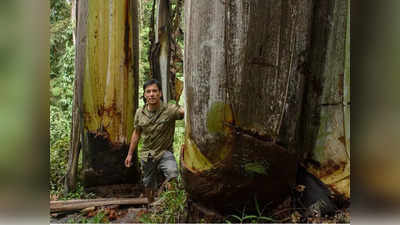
78 193
99 218
245 216
171 208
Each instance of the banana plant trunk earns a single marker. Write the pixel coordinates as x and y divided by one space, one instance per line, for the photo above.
244 81
107 61
326 133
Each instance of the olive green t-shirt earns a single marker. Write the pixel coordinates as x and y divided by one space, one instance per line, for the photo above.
157 129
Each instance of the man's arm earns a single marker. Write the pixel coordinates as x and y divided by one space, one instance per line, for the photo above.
134 142
181 111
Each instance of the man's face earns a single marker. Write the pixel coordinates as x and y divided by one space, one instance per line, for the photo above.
152 94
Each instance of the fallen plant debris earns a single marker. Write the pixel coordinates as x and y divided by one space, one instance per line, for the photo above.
286 212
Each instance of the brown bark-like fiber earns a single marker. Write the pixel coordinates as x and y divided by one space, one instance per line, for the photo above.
326 125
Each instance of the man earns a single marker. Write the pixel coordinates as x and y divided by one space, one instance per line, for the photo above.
156 123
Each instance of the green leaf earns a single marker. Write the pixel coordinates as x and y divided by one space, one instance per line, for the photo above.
172 101
249 217
236 217
266 218
56 91
257 206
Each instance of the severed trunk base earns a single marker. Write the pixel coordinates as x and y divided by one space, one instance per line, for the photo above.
117 190
103 163
197 213
255 169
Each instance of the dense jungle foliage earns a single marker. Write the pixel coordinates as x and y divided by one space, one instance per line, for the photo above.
62 56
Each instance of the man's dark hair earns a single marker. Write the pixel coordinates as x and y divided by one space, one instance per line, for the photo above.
150 82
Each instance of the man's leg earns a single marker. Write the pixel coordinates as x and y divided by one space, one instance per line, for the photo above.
169 168
150 182
149 193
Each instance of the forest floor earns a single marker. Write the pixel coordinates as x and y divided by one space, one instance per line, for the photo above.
172 209
124 215
106 214
103 215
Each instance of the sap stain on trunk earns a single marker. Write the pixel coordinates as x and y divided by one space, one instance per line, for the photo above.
218 114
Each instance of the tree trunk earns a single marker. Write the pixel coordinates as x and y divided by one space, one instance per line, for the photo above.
243 85
164 52
326 132
176 56
151 58
73 18
107 60
75 144
159 57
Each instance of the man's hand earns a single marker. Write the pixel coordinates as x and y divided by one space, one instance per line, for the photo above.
134 141
128 161
181 111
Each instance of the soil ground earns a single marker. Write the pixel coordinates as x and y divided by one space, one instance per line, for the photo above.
283 213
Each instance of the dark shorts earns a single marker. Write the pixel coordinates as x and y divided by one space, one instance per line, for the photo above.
155 172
